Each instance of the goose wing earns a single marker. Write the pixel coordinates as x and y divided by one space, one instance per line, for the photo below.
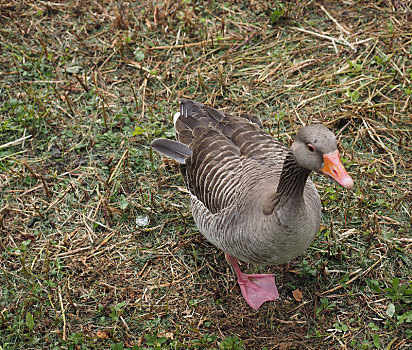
229 154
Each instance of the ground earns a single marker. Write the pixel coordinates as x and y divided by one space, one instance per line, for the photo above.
98 249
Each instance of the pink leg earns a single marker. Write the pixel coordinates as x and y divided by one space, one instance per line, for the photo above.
257 288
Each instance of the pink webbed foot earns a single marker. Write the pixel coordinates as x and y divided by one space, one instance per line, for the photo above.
256 288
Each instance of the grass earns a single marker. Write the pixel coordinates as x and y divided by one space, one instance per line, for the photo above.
98 247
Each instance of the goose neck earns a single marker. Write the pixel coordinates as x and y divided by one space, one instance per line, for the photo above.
292 179
289 192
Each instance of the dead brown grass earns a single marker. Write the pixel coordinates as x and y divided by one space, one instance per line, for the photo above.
86 85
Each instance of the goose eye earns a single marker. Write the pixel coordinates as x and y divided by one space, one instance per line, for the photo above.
311 148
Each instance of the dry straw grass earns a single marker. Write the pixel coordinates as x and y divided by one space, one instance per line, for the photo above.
98 247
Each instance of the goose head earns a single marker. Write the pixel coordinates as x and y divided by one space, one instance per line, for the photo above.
315 148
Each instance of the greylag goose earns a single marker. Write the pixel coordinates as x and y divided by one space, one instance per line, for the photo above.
250 195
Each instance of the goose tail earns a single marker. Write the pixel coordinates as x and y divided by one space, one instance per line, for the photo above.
172 149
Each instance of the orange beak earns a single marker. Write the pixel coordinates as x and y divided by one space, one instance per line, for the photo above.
333 167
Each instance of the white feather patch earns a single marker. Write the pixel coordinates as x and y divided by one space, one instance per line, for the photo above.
175 117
